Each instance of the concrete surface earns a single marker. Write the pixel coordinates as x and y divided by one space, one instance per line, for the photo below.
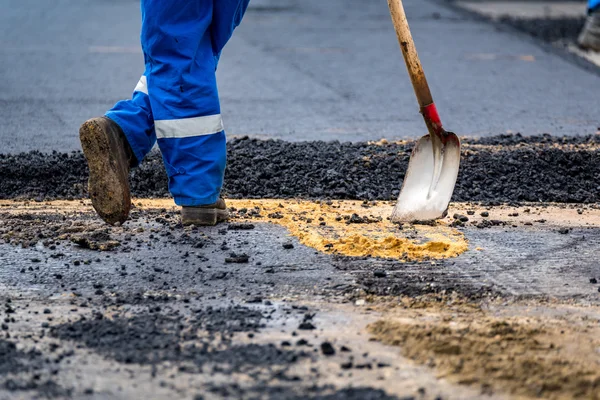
296 70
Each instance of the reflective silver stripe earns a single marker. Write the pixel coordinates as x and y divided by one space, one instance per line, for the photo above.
188 127
142 85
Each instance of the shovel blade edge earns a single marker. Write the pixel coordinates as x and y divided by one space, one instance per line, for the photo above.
423 197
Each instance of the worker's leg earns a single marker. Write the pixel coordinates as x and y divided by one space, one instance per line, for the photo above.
182 40
112 145
183 96
176 102
135 119
590 35
227 15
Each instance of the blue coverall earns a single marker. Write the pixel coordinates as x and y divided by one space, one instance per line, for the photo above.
593 4
176 100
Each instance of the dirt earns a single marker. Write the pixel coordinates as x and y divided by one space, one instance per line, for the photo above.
541 168
326 226
529 349
337 228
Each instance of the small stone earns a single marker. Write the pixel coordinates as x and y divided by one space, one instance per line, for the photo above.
485 214
306 326
47 311
237 258
564 231
379 273
288 245
593 280
327 349
240 227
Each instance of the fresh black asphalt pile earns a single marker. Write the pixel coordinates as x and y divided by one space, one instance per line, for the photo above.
507 168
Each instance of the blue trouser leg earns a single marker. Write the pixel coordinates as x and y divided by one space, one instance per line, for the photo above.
593 4
227 15
177 102
135 118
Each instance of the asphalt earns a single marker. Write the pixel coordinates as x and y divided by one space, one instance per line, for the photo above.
295 70
509 168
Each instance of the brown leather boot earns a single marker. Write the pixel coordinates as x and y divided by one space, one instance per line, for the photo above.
109 158
205 215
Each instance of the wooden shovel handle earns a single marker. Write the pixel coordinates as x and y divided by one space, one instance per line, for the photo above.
415 70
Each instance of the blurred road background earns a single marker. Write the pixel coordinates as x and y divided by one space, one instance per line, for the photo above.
297 70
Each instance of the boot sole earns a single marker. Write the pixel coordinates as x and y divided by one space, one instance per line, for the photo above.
203 216
108 189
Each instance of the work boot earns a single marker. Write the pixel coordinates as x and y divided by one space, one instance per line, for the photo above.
589 38
205 215
109 157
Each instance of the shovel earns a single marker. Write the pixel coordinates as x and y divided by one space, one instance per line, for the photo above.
435 159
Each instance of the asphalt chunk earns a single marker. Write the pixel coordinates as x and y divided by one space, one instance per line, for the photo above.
306 326
379 273
237 258
240 227
327 349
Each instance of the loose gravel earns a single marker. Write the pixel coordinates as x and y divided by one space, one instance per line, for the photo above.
507 168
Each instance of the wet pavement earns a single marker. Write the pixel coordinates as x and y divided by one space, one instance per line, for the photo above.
295 70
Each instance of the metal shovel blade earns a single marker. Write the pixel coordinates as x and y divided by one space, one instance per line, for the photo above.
429 181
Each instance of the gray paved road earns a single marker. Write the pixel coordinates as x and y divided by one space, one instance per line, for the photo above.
296 70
